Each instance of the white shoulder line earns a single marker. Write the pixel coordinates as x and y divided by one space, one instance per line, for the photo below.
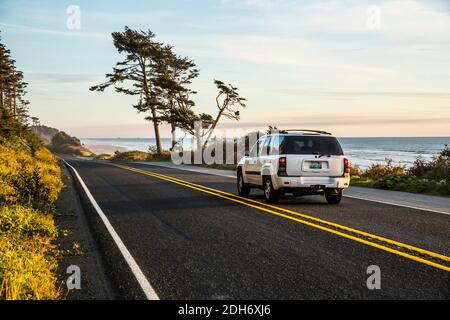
142 280
398 204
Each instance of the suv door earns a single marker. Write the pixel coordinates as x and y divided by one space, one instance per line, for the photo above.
263 157
250 166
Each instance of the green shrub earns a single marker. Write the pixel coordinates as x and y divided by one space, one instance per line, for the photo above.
376 171
103 156
163 156
28 179
438 168
432 177
131 156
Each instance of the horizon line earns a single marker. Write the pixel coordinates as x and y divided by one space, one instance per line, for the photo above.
230 137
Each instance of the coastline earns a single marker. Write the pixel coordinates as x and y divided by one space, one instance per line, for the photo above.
104 149
361 151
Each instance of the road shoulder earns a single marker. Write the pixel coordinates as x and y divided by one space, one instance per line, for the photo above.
78 247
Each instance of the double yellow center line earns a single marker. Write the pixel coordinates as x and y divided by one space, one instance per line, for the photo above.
430 258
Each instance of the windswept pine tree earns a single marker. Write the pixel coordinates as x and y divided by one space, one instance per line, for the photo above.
136 73
157 76
228 100
175 76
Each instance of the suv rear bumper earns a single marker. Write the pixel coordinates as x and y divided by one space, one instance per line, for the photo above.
310 182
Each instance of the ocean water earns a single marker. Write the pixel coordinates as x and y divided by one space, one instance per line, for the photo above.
404 151
362 152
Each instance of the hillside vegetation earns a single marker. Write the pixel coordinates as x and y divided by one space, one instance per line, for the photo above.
30 182
44 133
63 143
60 142
29 186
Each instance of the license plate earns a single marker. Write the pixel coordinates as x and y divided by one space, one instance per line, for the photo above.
315 165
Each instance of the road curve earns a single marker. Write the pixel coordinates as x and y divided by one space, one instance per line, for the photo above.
197 242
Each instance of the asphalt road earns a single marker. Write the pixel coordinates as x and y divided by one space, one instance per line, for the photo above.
197 243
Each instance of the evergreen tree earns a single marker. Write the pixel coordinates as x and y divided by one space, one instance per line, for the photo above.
13 105
175 76
140 69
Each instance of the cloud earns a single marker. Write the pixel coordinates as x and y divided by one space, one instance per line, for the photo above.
403 20
278 51
254 3
350 94
68 33
62 78
330 121
141 17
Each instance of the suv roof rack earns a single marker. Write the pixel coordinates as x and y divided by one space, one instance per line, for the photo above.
304 130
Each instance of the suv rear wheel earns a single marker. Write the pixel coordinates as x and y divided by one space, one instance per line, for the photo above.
243 188
333 196
270 194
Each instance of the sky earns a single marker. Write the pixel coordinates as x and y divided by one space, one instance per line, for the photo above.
354 68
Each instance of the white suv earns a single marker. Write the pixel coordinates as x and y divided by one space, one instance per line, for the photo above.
302 162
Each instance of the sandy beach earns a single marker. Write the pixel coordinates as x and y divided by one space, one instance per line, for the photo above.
99 149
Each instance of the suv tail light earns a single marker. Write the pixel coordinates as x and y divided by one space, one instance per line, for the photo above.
282 166
346 167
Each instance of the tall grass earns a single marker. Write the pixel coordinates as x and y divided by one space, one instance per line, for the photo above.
30 182
27 256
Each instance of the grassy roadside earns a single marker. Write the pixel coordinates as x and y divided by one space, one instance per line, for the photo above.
30 182
135 156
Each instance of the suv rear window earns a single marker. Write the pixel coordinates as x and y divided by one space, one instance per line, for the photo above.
310 145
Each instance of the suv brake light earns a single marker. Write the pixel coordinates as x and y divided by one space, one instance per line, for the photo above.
346 167
282 166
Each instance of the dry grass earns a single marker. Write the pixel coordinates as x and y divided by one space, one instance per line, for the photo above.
30 182
131 156
27 257
103 156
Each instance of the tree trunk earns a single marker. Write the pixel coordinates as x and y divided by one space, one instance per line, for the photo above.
174 136
172 123
213 127
156 128
14 103
198 153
